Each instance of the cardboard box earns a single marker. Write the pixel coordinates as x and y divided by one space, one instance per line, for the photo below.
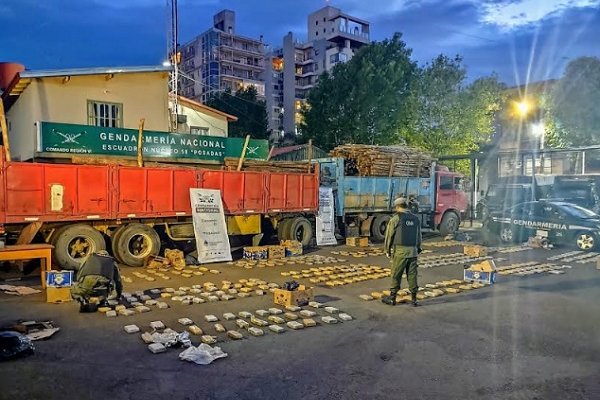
475 251
256 253
300 297
292 248
58 294
479 276
484 266
276 252
357 241
59 279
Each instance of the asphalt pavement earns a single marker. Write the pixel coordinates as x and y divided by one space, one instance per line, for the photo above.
525 337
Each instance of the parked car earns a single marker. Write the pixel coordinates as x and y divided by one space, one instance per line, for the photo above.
560 222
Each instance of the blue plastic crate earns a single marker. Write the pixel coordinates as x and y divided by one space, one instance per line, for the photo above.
59 279
479 276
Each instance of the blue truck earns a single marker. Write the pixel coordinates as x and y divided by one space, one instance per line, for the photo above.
364 204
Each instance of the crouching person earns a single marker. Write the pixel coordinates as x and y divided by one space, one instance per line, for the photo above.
97 278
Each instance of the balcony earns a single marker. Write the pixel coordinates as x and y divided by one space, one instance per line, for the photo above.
345 28
240 61
239 48
239 75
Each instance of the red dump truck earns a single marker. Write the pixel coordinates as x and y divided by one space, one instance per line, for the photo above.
85 208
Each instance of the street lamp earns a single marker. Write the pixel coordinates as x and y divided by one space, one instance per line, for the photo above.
522 108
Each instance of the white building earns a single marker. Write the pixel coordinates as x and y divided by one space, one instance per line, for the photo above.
292 70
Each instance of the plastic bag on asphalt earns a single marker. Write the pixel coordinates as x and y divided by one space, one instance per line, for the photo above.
203 354
14 345
172 338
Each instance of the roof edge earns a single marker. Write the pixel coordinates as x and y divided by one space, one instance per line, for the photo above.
48 73
204 107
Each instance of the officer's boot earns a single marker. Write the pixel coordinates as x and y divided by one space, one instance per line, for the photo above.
391 299
415 303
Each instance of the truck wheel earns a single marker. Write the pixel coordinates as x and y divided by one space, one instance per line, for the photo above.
585 241
282 229
449 224
74 243
378 227
506 234
301 230
114 238
135 243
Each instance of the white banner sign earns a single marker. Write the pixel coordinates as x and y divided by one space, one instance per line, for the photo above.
210 228
325 218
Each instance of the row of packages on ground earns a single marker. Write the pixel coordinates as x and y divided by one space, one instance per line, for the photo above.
287 248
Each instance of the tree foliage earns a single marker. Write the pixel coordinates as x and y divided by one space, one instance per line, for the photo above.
574 117
250 111
453 118
382 97
365 100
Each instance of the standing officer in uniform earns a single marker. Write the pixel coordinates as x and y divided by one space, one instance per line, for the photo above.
403 244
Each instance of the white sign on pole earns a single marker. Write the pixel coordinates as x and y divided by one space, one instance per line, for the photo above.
210 228
325 218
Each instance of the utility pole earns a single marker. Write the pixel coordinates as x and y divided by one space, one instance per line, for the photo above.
174 58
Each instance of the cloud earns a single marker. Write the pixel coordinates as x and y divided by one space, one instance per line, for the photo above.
511 14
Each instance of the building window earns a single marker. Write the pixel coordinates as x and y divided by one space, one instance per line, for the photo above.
198 130
317 33
107 115
316 22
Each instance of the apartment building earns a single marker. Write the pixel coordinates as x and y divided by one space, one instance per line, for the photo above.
292 70
220 59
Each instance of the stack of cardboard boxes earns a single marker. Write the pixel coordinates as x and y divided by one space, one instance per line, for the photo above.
357 241
287 248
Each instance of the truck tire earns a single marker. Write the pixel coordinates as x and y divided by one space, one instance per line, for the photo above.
449 224
282 229
134 243
74 243
378 227
114 238
301 230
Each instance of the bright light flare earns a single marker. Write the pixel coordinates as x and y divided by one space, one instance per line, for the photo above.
537 129
523 108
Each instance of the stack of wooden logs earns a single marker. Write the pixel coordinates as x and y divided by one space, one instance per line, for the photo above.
249 164
367 160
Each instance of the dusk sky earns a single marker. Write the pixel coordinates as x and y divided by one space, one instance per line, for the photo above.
513 38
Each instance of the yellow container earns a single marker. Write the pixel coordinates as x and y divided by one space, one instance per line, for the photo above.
357 241
58 294
299 297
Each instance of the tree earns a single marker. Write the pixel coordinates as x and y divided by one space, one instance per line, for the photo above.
574 103
365 100
452 118
251 112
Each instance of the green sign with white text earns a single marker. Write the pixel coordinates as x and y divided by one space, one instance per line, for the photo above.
71 139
